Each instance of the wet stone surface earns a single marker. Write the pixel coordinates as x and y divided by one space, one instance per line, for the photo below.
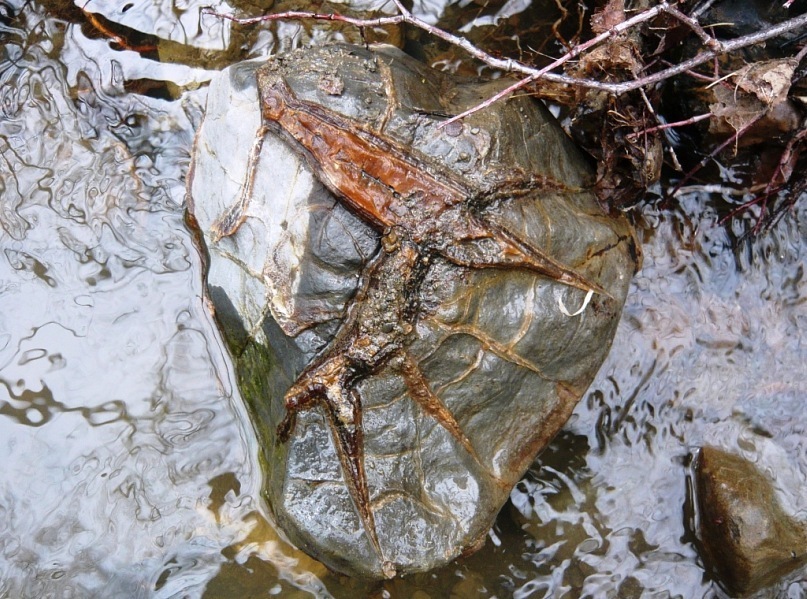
498 363
748 539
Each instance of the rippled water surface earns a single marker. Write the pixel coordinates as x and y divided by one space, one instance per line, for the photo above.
129 466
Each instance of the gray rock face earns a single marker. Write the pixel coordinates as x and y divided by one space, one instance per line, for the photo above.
502 361
747 538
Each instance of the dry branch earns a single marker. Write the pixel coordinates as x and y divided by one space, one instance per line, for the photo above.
628 149
532 74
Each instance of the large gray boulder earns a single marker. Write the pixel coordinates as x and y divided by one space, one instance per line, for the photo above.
503 362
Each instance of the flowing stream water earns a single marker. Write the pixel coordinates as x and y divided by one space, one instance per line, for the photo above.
129 465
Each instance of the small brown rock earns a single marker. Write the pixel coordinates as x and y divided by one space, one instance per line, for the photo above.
747 539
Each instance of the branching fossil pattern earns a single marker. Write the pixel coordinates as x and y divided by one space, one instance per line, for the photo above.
423 211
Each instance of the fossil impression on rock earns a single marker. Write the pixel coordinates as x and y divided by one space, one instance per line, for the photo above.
414 310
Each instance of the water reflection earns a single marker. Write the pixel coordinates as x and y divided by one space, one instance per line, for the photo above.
129 469
115 398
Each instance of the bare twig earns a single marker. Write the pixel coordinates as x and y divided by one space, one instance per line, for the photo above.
694 74
689 121
301 15
726 47
740 132
772 187
699 10
712 48
533 74
708 40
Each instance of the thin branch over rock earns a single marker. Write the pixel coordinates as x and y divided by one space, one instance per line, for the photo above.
716 47
626 132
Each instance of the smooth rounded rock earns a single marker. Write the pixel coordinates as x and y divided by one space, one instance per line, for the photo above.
746 537
496 346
